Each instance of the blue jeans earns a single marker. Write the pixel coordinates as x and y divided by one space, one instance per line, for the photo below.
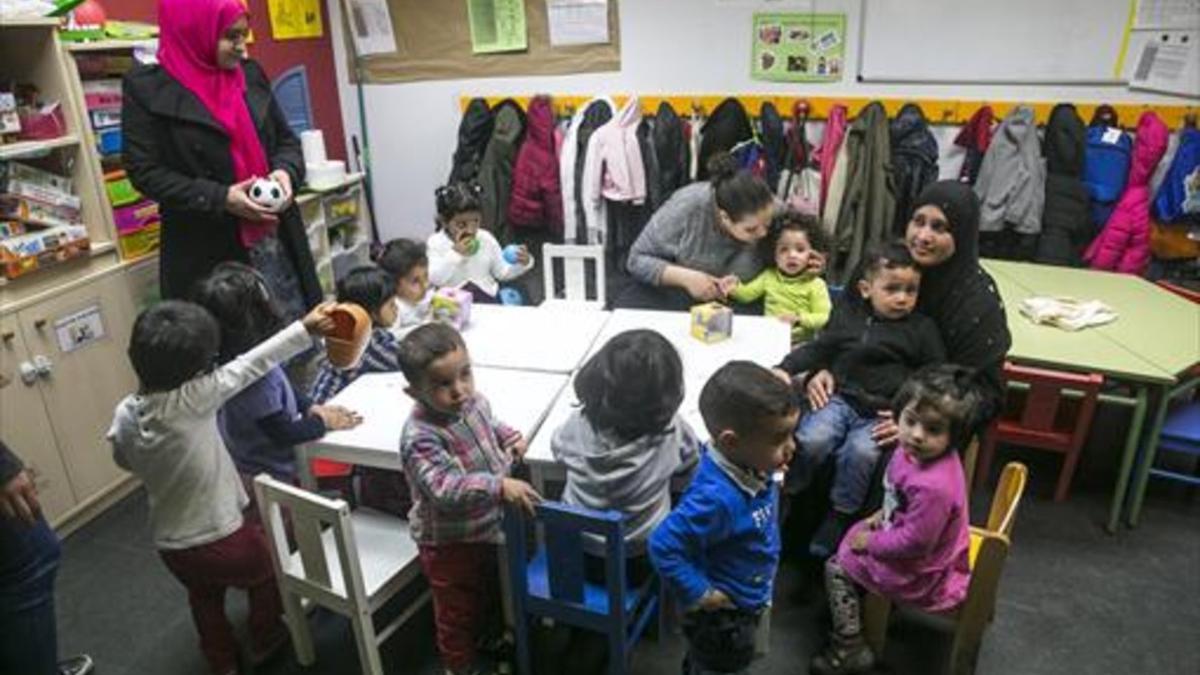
28 564
840 430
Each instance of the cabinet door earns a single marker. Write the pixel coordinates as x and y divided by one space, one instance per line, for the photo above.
25 427
84 333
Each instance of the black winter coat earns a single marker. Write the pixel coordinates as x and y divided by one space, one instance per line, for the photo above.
1066 217
671 155
869 357
177 154
914 161
727 126
474 132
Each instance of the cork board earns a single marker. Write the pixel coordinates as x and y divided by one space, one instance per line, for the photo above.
433 40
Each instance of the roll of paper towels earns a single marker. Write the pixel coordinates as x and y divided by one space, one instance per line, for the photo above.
312 144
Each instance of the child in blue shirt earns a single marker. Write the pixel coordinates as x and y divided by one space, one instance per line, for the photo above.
719 549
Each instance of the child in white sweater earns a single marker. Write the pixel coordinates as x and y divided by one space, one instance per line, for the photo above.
463 255
166 434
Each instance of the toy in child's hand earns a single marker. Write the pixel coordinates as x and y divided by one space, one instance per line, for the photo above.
346 343
452 306
512 254
267 193
510 296
711 322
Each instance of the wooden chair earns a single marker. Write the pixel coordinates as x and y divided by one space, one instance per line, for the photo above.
1182 291
350 563
575 262
551 584
1042 417
988 551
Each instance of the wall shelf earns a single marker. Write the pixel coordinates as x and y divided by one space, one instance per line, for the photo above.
27 148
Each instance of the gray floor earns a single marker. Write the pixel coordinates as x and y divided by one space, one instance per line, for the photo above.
1073 600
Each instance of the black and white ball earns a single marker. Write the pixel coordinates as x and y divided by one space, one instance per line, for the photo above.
267 193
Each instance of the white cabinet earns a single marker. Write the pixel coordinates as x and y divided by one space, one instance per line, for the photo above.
338 224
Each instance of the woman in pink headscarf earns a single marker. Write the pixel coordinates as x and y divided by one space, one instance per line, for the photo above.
199 127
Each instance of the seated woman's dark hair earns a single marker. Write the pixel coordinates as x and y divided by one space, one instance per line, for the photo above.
400 256
424 345
738 193
950 390
633 386
238 298
794 221
368 287
456 198
172 342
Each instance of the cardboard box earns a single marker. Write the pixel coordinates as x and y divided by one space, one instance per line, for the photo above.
136 216
36 211
44 180
712 322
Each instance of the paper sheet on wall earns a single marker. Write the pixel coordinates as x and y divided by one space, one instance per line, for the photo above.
295 19
1168 61
577 22
497 26
1158 14
371 27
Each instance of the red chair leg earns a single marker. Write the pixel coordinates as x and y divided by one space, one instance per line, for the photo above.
1070 460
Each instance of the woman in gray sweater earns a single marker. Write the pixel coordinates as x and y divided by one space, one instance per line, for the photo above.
701 241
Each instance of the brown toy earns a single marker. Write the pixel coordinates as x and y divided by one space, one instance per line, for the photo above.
348 340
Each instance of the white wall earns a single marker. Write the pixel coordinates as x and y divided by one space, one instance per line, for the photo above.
667 46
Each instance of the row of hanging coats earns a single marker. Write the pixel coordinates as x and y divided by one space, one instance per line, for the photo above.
1070 195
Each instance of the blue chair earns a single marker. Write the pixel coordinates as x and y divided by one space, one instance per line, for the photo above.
291 92
1180 433
551 584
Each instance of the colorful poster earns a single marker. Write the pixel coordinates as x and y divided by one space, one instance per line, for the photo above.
798 47
295 19
497 26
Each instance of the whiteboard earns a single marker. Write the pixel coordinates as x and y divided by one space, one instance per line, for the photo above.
984 41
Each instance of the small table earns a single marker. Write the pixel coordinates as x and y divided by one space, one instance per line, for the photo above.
552 338
1152 344
760 339
520 398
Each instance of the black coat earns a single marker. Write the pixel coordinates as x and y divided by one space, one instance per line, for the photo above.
177 154
727 126
869 357
1067 214
474 132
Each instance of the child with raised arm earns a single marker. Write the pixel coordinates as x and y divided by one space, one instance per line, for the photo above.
166 434
456 457
719 549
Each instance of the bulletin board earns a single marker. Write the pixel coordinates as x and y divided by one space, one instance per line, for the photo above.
433 42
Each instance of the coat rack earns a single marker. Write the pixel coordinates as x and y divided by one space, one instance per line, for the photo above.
938 111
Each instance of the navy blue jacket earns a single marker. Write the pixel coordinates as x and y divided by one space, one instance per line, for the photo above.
720 537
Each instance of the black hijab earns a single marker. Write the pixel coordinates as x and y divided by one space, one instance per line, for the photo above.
962 298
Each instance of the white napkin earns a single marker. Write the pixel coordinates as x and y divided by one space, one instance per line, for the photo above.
1067 313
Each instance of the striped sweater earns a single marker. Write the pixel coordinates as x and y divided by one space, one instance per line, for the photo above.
454 468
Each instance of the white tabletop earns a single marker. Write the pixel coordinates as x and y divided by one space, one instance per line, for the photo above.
520 398
552 339
759 339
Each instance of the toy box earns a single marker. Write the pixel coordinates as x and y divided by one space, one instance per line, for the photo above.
24 253
452 306
16 172
10 122
109 141
137 243
712 322
120 190
102 93
36 211
135 217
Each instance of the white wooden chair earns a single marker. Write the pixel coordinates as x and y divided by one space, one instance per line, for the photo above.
350 563
574 263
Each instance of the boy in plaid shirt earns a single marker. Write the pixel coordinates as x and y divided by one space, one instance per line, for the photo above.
456 457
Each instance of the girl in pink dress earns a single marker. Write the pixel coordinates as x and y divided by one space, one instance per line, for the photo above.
914 549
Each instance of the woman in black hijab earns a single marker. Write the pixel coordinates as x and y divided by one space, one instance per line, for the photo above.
943 237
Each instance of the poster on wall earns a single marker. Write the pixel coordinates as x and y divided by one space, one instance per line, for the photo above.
295 19
577 22
798 47
497 26
371 27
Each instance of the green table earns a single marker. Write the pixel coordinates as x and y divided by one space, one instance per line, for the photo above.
1152 344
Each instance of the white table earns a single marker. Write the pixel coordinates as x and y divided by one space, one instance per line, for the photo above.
520 398
553 338
759 339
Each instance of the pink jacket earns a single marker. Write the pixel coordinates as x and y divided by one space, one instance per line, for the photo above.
919 554
613 168
1124 243
831 142
536 200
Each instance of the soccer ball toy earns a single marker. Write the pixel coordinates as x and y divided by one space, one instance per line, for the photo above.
267 193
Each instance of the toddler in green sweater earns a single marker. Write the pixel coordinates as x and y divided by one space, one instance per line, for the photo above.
793 289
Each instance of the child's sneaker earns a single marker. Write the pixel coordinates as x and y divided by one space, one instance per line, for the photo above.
844 657
825 542
76 665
